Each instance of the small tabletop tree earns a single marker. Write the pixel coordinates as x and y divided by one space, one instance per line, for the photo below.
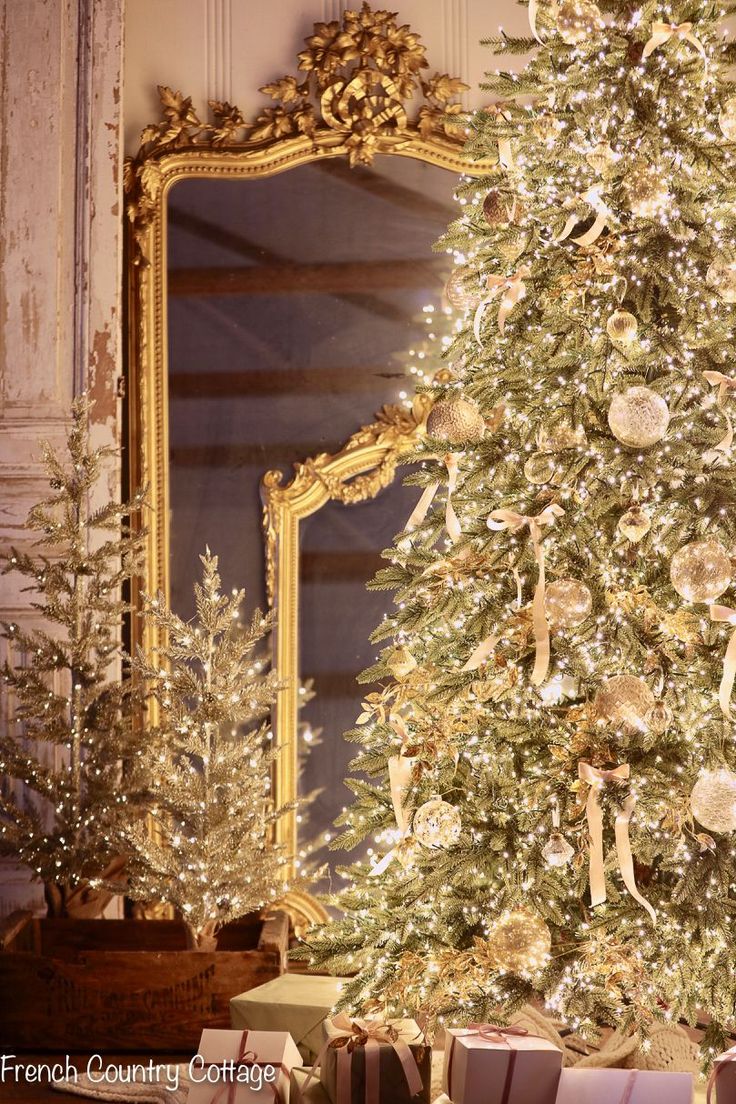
62 684
214 860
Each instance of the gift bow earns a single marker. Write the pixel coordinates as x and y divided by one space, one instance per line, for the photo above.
513 289
724 385
596 779
421 509
602 213
509 519
663 32
727 615
492 1033
726 1057
370 1034
245 1059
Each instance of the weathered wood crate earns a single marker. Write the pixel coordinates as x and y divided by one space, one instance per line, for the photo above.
126 984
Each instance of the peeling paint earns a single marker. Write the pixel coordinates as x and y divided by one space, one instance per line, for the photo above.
102 372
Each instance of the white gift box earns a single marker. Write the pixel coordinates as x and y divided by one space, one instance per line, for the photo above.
617 1086
723 1078
513 1069
243 1067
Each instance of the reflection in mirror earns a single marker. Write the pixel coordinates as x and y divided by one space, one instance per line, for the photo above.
295 303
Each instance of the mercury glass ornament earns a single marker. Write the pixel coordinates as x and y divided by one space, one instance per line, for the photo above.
727 119
456 421
624 701
437 823
496 208
401 662
519 942
622 327
713 800
638 417
557 851
578 20
646 190
701 571
568 603
462 290
540 468
601 158
634 524
721 276
659 718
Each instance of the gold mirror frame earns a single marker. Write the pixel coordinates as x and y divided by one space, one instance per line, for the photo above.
360 80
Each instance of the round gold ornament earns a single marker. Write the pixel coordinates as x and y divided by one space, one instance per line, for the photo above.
659 718
455 420
497 208
437 823
547 127
624 701
701 571
713 800
568 603
462 290
540 468
727 119
602 158
578 20
646 190
401 662
638 417
519 942
721 276
634 524
557 851
622 327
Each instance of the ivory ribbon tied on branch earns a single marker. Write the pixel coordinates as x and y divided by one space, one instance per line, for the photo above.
727 615
399 779
505 151
511 288
593 198
597 779
421 509
724 385
663 32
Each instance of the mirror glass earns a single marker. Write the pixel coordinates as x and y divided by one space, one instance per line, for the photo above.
296 303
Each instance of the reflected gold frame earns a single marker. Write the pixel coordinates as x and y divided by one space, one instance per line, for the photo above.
346 103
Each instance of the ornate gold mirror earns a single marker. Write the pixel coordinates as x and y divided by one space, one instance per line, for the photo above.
273 313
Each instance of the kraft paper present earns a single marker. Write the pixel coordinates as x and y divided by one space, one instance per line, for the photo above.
617 1086
507 1069
722 1084
297 1003
227 1057
392 1084
314 1094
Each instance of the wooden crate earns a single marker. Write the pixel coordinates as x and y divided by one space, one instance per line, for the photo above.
126 984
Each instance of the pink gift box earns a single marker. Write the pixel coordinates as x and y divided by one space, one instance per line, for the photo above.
617 1086
243 1067
500 1068
723 1078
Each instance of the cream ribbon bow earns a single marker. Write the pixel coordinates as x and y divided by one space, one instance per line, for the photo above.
596 779
421 509
602 213
724 385
505 150
663 32
509 519
512 290
725 614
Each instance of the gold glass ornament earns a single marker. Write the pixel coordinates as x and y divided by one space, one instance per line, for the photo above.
701 571
721 276
638 417
624 701
568 603
498 208
540 468
462 290
547 127
622 327
601 158
520 942
727 119
401 662
634 524
713 800
437 823
557 851
578 20
456 421
646 190
659 718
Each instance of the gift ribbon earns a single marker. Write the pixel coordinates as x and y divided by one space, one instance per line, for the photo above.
421 509
593 198
246 1059
724 385
596 779
370 1034
719 1066
727 615
492 1033
509 519
512 290
663 32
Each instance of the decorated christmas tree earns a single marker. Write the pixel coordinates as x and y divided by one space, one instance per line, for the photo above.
551 751
209 761
69 756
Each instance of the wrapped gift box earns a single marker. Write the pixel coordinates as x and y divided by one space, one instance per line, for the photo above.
723 1078
344 1066
500 1068
252 1061
297 1003
617 1086
313 1094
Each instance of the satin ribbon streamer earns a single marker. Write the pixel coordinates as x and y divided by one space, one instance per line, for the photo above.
593 198
724 614
663 32
492 1033
421 509
246 1059
371 1035
533 9
505 150
729 1056
596 779
724 385
509 519
512 290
